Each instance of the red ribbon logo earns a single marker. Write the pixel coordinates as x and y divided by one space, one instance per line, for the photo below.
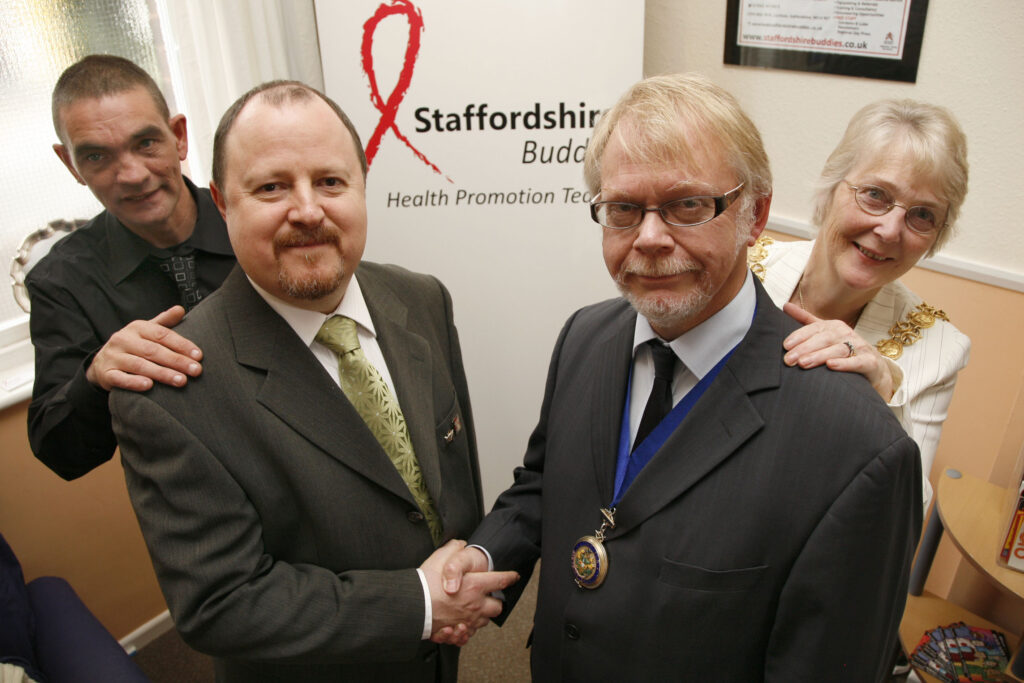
389 109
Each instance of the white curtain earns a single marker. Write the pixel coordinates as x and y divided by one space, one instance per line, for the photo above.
221 48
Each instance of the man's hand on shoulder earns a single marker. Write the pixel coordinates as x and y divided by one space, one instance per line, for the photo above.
146 351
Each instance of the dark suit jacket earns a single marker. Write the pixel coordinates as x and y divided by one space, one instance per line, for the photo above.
283 538
770 538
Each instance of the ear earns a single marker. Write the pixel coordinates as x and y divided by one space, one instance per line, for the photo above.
180 130
761 208
218 199
65 156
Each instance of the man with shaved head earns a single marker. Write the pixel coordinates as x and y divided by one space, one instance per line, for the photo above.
105 298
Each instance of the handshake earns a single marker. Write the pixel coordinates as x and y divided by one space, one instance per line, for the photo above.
461 590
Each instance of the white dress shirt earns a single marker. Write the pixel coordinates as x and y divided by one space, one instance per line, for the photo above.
307 323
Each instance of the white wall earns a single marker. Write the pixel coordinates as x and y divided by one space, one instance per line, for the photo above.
972 61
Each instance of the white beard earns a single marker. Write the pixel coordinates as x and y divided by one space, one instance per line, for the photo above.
670 310
666 310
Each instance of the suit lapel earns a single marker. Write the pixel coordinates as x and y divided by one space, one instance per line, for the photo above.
613 359
717 426
298 391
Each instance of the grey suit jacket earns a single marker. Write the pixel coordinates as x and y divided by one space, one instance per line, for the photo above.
769 539
283 538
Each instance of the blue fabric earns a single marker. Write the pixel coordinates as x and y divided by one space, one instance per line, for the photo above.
17 625
71 644
628 465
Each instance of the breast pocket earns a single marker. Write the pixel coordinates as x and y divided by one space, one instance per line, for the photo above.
450 430
687 576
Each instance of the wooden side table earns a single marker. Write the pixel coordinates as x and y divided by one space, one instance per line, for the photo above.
970 511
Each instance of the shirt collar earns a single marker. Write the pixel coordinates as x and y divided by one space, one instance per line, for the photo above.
128 250
205 237
307 323
702 347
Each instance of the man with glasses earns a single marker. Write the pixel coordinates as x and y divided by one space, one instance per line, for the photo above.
703 511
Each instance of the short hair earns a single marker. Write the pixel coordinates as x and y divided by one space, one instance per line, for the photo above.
927 134
96 76
665 111
275 93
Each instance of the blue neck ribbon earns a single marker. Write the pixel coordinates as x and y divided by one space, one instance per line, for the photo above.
628 465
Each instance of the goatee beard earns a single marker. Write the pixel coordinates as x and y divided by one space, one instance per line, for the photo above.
316 285
310 288
670 309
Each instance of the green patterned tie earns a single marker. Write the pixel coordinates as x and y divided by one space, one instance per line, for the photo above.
374 402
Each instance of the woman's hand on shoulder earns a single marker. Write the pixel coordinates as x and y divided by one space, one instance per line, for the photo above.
835 344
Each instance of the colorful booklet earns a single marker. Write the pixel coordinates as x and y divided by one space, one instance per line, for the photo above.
1011 553
959 653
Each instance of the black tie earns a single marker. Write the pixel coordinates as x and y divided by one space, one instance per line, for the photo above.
182 269
659 403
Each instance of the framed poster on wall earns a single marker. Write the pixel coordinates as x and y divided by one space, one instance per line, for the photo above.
868 38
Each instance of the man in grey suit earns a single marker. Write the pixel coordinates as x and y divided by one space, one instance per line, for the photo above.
703 511
285 523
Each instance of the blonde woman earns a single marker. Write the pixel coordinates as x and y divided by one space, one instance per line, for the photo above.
888 196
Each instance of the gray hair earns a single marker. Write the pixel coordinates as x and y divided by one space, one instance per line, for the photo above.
927 134
665 110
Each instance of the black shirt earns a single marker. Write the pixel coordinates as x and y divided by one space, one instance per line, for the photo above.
90 285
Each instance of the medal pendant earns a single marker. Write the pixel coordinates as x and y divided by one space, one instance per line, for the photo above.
589 562
589 559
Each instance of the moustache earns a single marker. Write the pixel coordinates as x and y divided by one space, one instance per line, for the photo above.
322 234
658 267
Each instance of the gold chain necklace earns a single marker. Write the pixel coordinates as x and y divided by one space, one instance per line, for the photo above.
906 332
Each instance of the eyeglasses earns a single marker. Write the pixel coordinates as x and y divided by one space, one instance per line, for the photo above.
684 212
877 202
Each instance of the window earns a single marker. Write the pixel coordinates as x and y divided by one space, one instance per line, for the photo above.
38 40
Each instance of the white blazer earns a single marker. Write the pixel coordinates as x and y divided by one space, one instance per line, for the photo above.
929 365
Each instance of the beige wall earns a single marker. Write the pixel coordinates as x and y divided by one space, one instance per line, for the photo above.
82 530
985 428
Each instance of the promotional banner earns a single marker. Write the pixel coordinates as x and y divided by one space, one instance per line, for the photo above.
475 117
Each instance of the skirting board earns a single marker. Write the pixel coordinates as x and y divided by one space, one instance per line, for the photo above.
957 267
147 633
